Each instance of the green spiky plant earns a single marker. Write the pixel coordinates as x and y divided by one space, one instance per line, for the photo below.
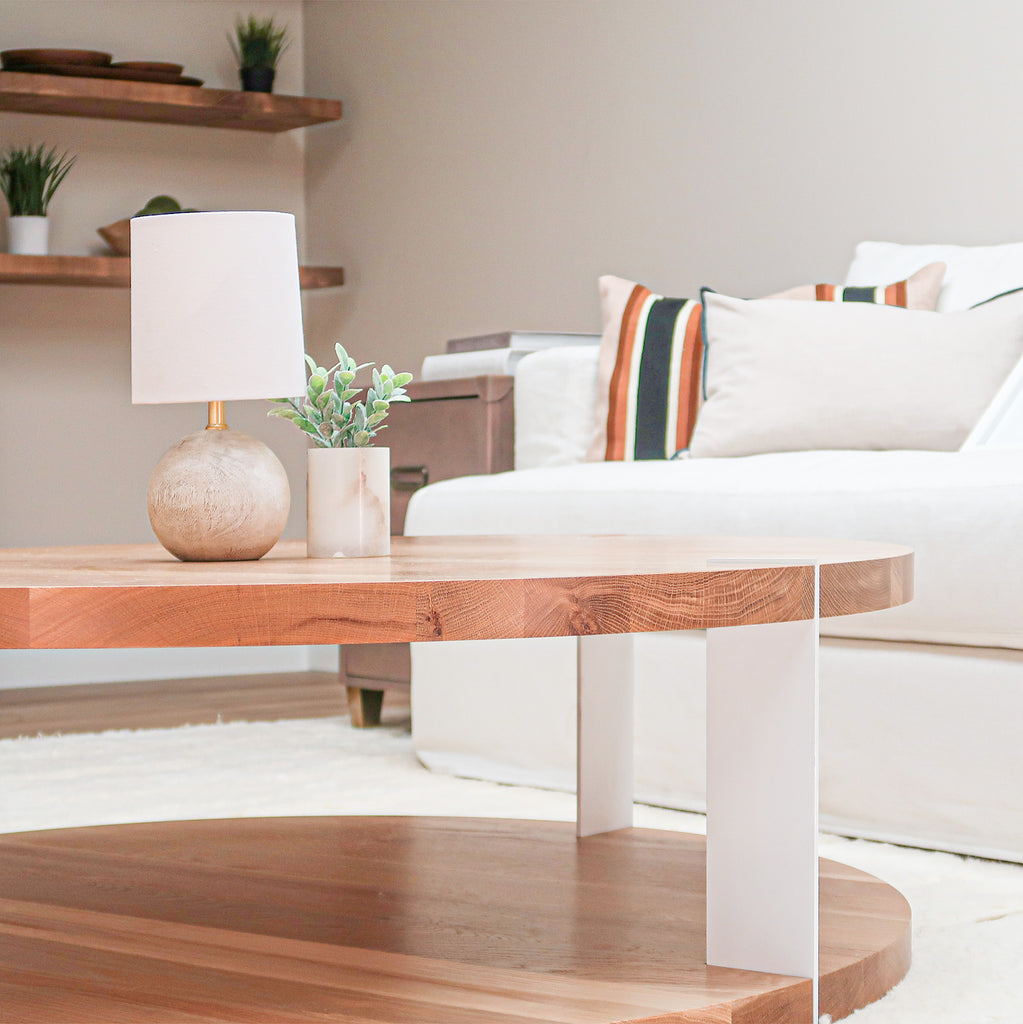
29 177
258 42
328 414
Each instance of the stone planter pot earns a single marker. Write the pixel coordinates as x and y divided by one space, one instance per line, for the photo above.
28 236
348 502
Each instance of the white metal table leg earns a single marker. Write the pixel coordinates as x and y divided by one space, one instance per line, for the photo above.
604 751
762 874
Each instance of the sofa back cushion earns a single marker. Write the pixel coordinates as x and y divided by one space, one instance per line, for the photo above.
798 376
975 272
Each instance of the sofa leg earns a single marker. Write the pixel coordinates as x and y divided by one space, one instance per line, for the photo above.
364 706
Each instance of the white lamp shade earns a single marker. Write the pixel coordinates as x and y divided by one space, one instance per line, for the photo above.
216 308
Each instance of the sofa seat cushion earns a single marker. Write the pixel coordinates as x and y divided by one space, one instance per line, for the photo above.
958 510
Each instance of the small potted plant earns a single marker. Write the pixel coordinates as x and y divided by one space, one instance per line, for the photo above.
118 234
348 508
28 179
257 46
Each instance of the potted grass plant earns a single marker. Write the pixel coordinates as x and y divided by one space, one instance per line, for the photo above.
28 179
348 482
258 46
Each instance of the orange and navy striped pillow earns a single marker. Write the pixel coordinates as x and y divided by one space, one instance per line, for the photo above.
919 291
888 295
651 362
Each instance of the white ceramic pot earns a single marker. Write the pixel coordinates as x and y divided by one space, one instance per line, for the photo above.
348 502
28 236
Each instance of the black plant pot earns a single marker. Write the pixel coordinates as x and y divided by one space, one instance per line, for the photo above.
257 79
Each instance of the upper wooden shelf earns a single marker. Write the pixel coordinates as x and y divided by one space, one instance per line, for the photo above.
164 104
115 271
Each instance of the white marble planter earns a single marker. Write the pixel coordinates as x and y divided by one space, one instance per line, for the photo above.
28 236
348 502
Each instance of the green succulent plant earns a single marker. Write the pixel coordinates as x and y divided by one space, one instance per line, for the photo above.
260 42
328 414
29 177
160 205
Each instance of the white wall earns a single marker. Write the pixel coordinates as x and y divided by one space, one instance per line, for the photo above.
75 456
496 157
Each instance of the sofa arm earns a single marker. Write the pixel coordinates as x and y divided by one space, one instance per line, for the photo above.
555 406
1001 425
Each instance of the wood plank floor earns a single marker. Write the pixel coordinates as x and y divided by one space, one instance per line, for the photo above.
407 920
166 703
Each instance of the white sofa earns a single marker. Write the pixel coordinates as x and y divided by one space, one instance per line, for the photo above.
921 706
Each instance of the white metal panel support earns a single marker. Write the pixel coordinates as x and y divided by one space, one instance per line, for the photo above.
762 797
604 750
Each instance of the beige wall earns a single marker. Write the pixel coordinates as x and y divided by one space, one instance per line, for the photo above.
495 157
75 456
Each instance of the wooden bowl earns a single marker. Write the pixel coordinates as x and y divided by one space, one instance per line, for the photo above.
149 65
117 236
13 59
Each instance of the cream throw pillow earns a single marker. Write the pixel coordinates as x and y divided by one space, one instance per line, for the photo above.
799 376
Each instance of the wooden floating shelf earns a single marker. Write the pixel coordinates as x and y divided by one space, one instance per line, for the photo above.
115 271
118 100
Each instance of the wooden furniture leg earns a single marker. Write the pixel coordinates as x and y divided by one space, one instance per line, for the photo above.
364 706
367 672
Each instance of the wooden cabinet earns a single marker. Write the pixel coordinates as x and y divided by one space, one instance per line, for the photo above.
450 428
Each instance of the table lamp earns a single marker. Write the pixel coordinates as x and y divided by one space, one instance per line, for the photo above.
216 315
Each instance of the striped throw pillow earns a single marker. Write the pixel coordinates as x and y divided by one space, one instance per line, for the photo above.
919 291
651 359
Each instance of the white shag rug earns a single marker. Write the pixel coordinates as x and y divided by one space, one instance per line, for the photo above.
967 914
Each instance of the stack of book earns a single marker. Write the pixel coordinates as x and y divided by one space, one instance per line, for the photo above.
499 354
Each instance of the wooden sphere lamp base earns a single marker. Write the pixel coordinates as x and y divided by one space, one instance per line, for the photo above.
218 495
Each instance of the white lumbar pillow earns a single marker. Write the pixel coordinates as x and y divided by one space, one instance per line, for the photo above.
974 273
801 376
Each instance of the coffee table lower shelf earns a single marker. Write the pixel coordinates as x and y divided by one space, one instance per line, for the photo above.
417 920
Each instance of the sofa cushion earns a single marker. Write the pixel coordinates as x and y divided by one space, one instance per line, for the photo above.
817 375
954 508
974 272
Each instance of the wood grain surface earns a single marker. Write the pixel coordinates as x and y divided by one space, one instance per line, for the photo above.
435 588
165 104
416 920
115 272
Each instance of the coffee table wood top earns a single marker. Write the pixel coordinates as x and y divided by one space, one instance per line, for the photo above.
436 588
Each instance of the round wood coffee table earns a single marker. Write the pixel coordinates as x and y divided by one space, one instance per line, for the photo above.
459 920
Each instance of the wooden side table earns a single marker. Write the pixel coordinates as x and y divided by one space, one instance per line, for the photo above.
450 428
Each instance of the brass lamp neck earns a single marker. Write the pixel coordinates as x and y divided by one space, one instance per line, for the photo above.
217 418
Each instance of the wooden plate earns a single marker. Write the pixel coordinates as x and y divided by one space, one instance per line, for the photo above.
125 74
149 65
15 58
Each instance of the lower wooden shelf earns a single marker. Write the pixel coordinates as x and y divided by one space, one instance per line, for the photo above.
115 271
416 920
